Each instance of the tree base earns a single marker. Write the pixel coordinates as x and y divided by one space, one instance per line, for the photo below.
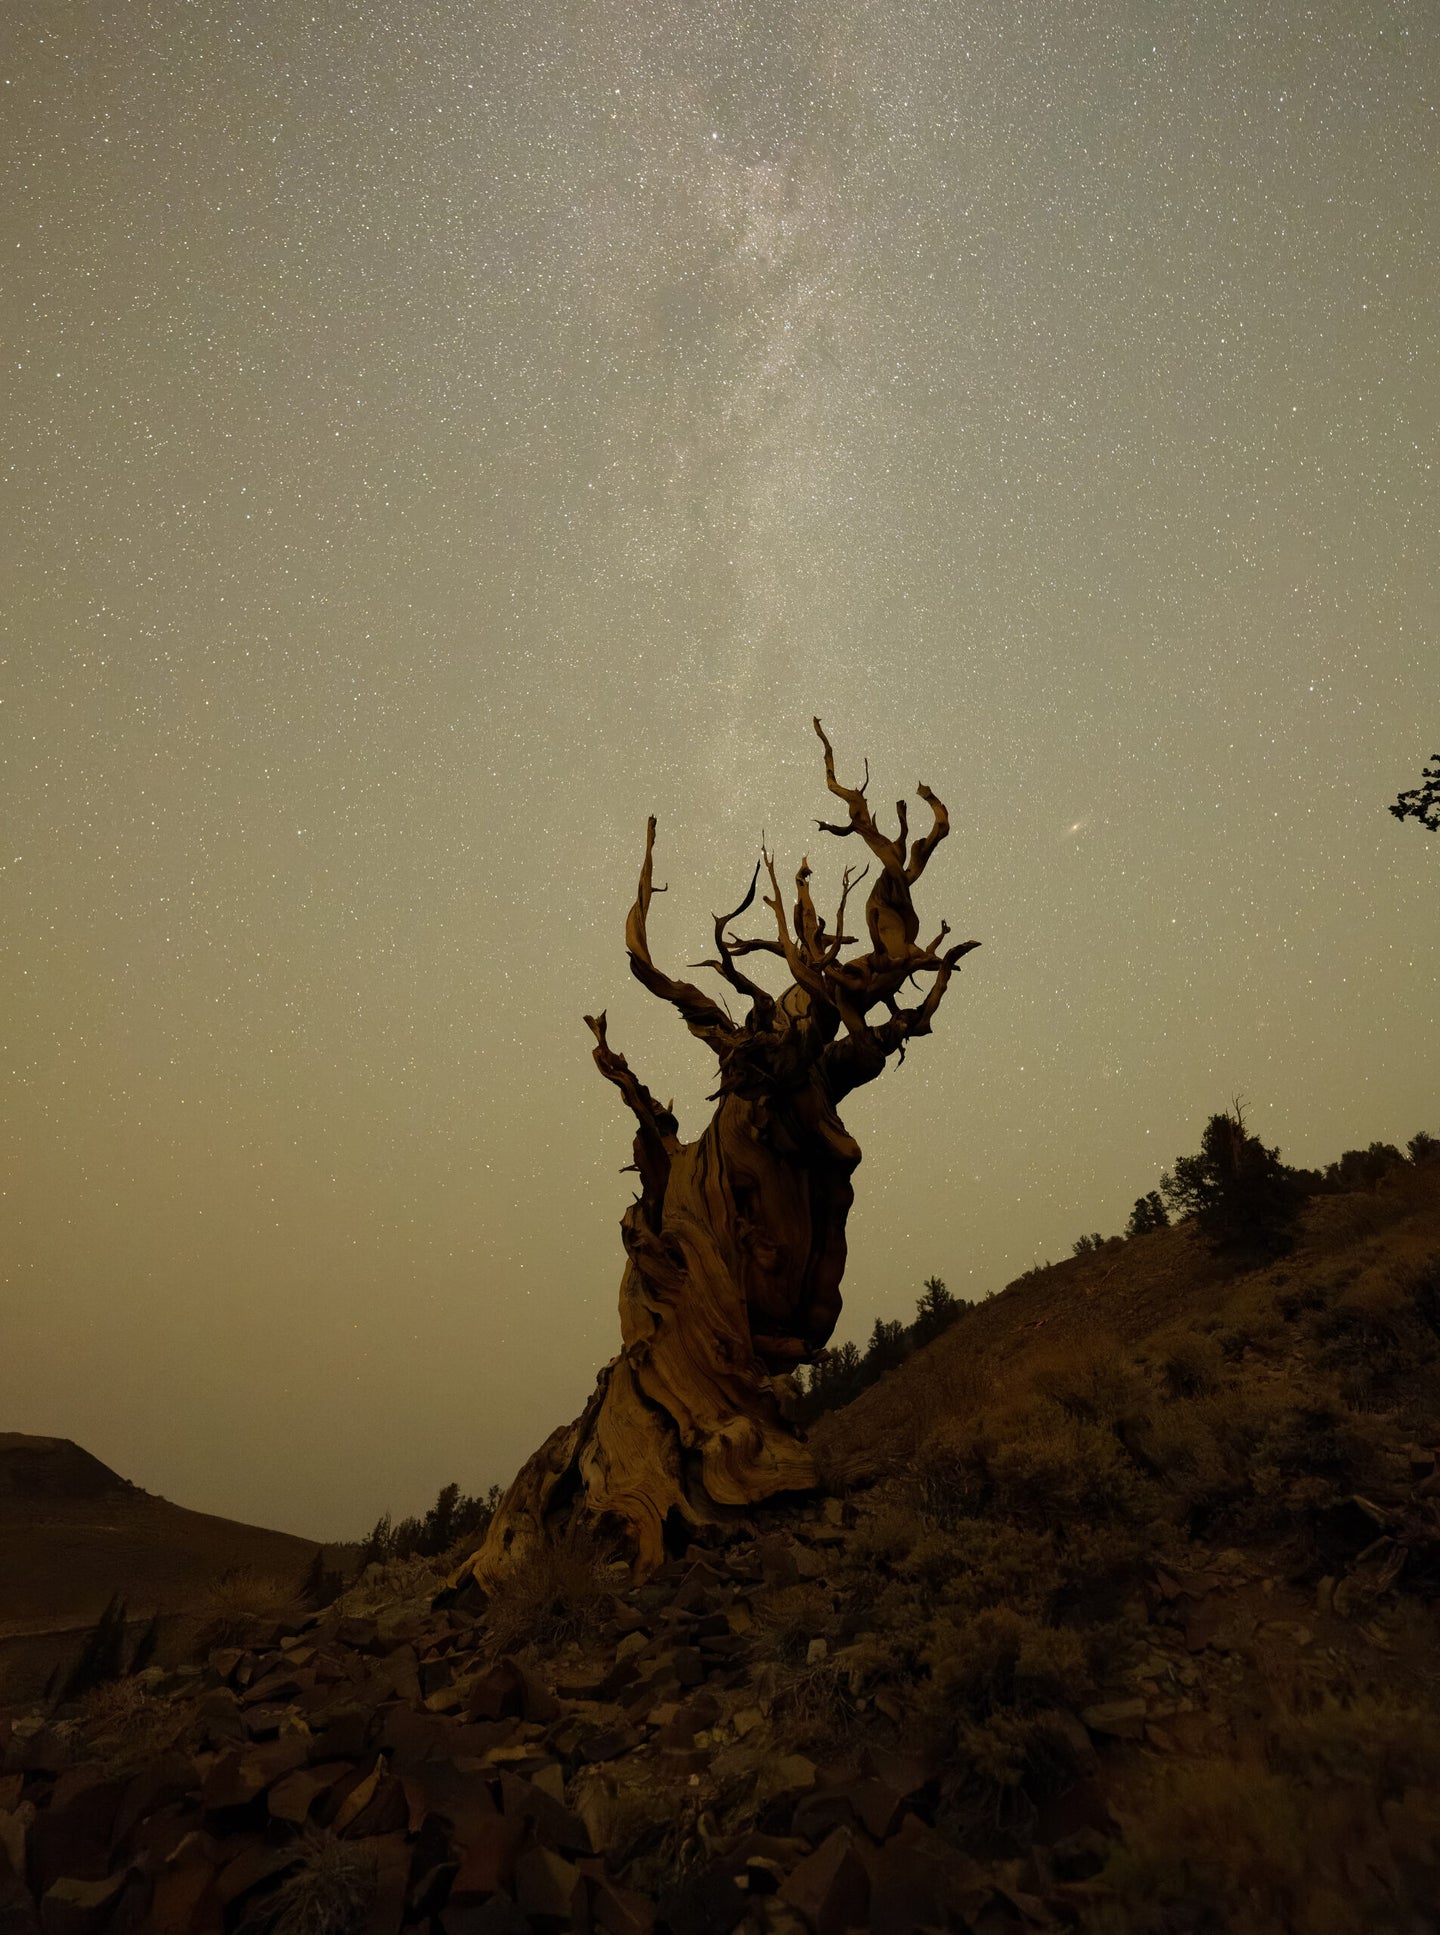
624 1467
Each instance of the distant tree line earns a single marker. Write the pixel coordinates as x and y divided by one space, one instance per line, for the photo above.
454 1516
842 1374
1243 1197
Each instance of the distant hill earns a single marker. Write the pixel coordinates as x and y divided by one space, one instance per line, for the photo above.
72 1532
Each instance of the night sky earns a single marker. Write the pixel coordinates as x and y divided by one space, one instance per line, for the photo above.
436 436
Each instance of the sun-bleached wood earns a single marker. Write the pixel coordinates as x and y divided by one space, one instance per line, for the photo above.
735 1245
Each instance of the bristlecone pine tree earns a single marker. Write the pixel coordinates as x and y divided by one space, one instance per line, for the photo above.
735 1246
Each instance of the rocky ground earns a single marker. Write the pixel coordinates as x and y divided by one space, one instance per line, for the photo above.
1139 1639
389 1770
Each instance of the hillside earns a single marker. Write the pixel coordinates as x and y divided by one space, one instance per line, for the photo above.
1116 1612
72 1532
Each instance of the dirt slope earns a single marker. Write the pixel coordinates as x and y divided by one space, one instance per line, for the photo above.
72 1532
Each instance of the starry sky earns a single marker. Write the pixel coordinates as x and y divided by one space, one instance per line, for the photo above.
435 435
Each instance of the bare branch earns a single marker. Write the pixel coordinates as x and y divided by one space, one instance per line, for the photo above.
885 851
923 849
808 925
657 1137
702 1016
762 1002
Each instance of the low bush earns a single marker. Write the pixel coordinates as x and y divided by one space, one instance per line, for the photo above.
330 1893
236 1603
559 1591
1193 1365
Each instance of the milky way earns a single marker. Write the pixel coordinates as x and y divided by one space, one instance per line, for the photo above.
437 436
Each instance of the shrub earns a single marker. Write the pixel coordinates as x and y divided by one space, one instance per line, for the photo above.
557 1591
789 1617
1421 1283
1363 1168
1193 1365
1033 1465
330 1893
241 1599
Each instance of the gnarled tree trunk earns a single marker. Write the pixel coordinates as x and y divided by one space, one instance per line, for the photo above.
735 1246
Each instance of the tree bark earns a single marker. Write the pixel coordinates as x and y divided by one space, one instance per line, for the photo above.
735 1246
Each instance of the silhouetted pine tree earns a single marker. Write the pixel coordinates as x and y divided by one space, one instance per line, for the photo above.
1148 1214
888 1348
379 1547
321 1585
1238 1191
935 1311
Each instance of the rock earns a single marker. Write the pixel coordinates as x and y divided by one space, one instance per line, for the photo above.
291 1798
830 1888
1288 1629
353 1803
280 1687
392 1880
487 1857
169 1777
632 1643
777 1561
238 1776
1122 1719
459 1797
547 1884
607 1743
254 1864
878 1807
557 1826
501 1915
497 1693
74 1907
71 1837
345 1733
18 1915
710 1904
688 1665
13 1828
620 1911
386 1812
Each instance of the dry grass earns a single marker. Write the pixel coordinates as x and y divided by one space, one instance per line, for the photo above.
558 1592
124 1723
329 1894
789 1617
236 1604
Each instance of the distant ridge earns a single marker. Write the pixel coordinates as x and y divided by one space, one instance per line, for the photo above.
39 1468
72 1532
